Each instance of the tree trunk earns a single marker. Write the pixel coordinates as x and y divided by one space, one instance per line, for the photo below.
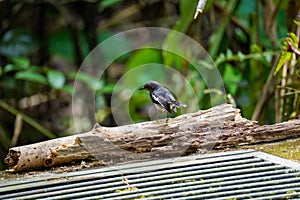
219 127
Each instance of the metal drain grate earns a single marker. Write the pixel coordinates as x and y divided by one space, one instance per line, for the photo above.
229 175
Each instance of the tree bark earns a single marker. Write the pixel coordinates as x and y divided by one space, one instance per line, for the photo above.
219 127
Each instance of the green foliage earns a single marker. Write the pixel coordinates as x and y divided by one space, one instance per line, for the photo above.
288 101
116 46
152 62
20 75
144 56
16 43
23 70
234 32
108 3
60 43
92 83
256 54
216 38
186 18
231 78
285 57
56 79
31 76
290 50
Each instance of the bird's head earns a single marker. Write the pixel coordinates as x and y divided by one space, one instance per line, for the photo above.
150 86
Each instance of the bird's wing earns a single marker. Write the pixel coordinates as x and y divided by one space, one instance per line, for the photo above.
172 100
161 100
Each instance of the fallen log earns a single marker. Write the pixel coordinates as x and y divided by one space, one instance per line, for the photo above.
219 127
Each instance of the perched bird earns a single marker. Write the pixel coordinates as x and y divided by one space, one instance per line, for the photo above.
162 97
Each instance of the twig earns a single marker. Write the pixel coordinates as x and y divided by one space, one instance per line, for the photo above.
28 120
17 130
268 88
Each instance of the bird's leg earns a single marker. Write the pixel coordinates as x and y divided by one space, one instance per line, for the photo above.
167 117
158 112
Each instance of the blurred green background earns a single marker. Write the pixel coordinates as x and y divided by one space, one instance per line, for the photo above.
43 43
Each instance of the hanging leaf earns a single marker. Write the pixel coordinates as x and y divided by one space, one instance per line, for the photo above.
56 79
285 57
291 48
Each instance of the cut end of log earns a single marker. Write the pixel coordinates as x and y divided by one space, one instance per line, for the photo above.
12 157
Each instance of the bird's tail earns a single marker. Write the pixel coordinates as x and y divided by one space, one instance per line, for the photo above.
176 105
181 105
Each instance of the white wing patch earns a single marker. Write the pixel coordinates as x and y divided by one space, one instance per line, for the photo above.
157 99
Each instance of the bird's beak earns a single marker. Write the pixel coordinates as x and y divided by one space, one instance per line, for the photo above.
142 88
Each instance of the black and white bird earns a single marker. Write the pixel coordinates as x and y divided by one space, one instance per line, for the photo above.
162 97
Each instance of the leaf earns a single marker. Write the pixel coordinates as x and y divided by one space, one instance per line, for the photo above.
31 76
91 82
205 64
143 56
254 48
241 56
220 59
17 64
232 78
68 89
145 63
22 62
108 3
11 67
61 43
108 89
56 79
229 53
294 39
297 22
36 68
285 57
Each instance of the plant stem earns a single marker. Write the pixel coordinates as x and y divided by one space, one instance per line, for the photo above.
216 38
28 120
